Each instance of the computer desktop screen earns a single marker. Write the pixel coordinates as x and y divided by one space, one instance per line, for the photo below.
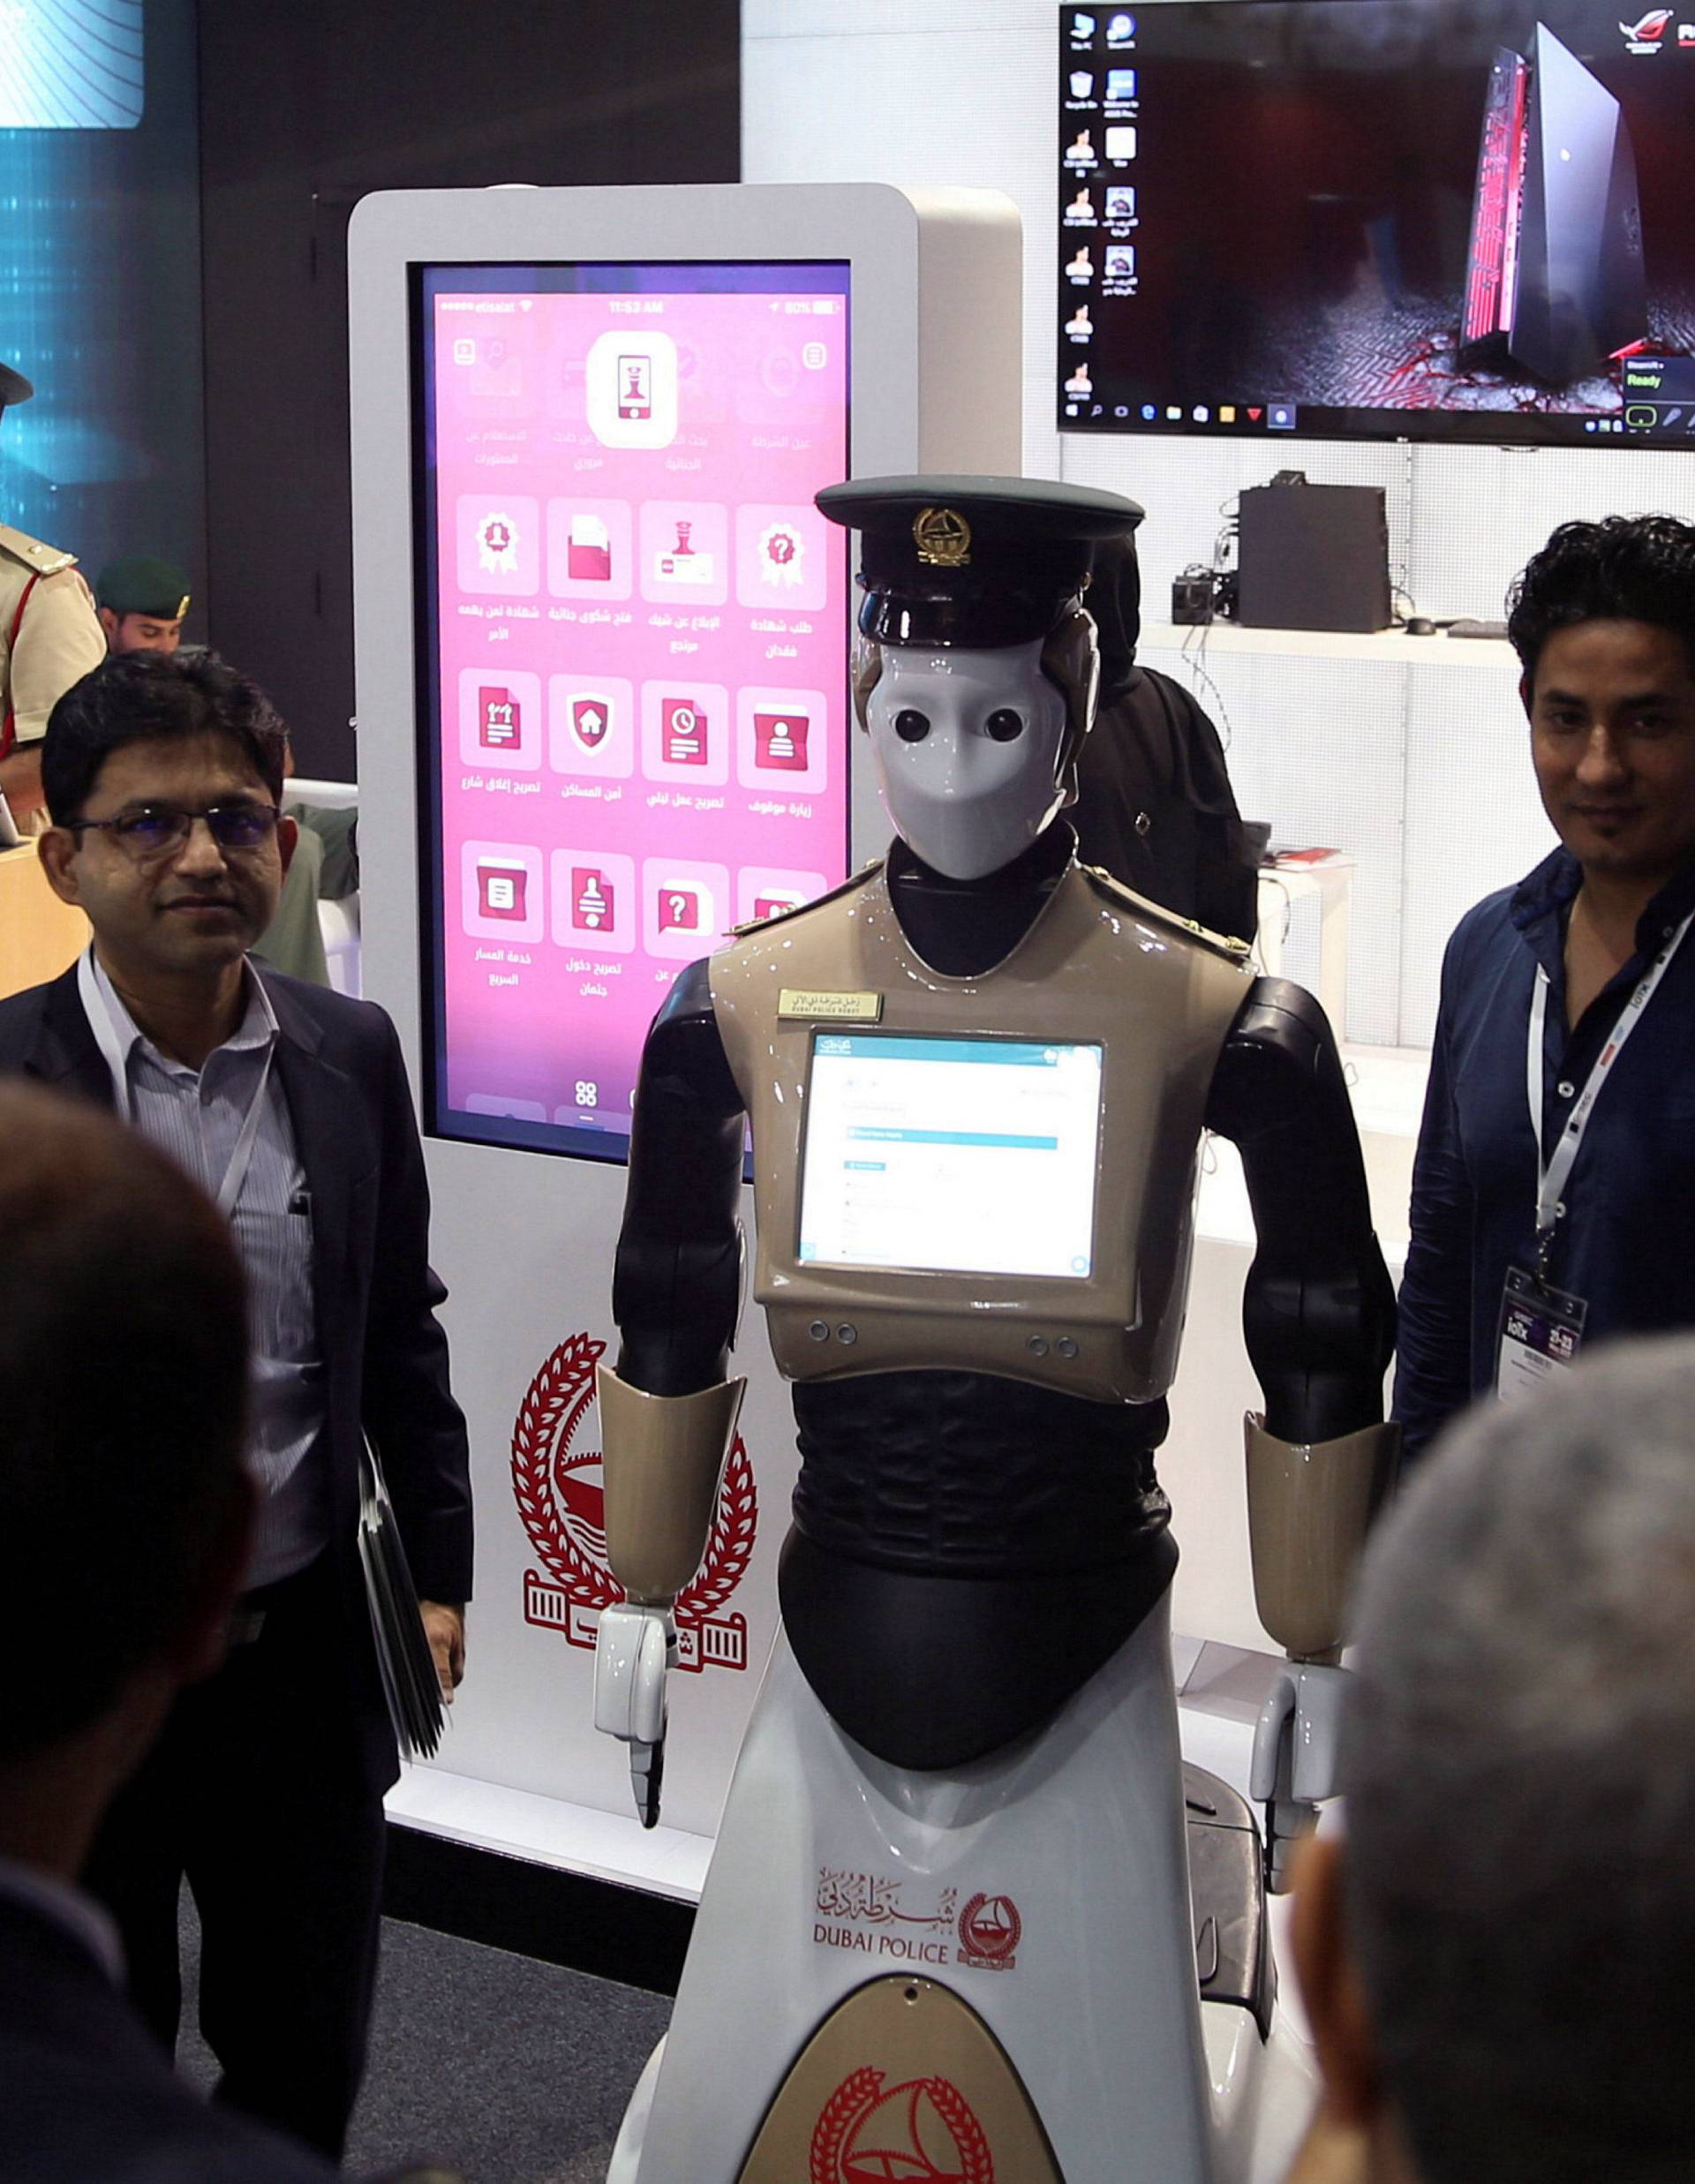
1380 220
950 1156
632 646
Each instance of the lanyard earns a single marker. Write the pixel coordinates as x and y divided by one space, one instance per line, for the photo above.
111 1048
1553 1174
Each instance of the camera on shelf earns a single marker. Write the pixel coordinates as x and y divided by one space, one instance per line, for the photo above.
1202 594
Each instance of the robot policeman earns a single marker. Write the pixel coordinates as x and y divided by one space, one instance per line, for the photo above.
948 1920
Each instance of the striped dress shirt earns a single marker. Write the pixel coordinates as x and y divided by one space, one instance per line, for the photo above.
196 1117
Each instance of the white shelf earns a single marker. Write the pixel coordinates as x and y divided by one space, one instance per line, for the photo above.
1392 647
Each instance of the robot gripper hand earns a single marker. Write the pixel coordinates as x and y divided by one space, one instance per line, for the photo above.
633 1652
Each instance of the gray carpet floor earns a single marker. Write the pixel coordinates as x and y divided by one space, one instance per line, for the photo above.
512 2071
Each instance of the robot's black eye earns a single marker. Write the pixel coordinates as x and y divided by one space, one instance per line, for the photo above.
910 727
1004 725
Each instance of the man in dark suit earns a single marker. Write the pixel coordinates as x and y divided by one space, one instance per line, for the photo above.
290 1104
126 1514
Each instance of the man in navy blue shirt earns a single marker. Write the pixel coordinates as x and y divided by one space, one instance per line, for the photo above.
1554 1193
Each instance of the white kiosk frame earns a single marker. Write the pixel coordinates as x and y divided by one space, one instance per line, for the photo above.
525 1240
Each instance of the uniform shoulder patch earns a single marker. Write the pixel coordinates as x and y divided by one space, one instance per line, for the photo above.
831 894
46 561
1125 898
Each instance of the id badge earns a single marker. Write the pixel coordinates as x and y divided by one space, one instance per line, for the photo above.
1540 1334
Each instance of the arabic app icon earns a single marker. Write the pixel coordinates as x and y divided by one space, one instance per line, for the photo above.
685 732
685 907
591 725
500 891
500 719
685 552
590 551
766 890
497 544
593 898
1121 201
779 739
629 388
782 555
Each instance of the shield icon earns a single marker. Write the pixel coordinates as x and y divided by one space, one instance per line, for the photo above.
591 717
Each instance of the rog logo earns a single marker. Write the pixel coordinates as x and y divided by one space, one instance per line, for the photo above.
1651 28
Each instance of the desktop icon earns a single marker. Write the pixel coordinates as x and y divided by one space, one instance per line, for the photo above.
1150 411
1082 268
1121 262
1083 84
1120 85
1080 151
1226 413
1121 140
1081 207
1121 201
1080 384
1082 25
1079 325
1120 30
1280 415
1202 413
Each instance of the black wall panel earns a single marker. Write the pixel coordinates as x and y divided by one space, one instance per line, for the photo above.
306 107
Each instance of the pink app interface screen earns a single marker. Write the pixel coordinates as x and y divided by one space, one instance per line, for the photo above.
635 645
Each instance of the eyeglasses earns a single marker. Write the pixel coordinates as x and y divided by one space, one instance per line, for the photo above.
156 830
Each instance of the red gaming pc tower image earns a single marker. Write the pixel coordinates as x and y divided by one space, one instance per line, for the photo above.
1553 275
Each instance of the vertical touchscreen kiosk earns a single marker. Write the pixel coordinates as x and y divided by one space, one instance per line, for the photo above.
601 640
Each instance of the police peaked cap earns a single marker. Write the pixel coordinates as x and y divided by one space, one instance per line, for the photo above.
977 561
143 584
13 387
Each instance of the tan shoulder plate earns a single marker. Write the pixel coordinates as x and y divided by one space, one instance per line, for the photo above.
830 894
1116 892
46 561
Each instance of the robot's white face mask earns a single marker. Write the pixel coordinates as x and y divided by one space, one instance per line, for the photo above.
968 746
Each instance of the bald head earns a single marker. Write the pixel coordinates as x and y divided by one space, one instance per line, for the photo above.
122 1368
1520 1767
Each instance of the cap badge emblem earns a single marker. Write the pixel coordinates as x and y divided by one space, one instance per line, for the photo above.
942 537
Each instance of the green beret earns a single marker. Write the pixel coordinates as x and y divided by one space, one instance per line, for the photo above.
143 584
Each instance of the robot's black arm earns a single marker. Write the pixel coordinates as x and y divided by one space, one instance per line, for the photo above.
677 1284
1319 1311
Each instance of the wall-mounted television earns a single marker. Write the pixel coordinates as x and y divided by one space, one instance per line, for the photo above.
1390 219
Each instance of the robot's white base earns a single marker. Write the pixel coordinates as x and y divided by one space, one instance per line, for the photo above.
1046 1887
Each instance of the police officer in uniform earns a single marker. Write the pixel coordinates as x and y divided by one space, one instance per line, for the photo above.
142 602
49 638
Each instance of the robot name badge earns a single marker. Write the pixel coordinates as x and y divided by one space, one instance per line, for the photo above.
556 1484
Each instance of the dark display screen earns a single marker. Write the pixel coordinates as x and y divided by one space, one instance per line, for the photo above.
1385 219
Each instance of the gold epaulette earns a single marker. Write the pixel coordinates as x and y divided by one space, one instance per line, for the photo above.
1127 898
778 917
46 561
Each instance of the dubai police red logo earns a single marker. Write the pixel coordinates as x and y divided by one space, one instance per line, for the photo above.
990 1927
556 1483
922 2132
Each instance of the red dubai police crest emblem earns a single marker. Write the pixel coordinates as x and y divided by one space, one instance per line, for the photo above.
990 1928
922 2131
556 1483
